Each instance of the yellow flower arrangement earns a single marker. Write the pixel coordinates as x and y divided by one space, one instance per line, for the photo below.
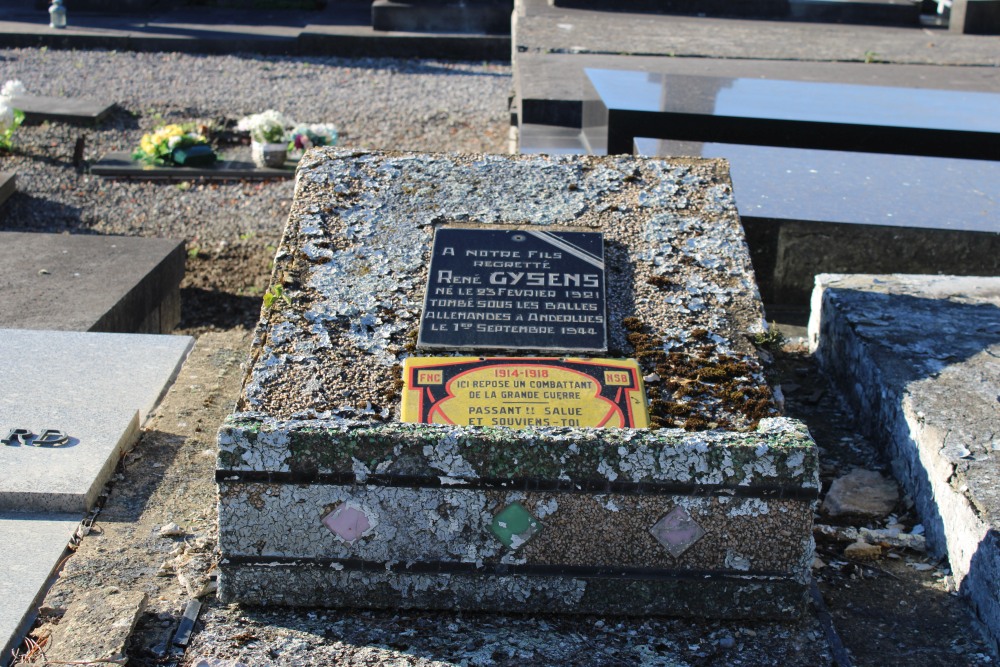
158 147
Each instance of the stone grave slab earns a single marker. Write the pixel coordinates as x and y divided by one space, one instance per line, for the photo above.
68 476
918 357
121 165
809 211
31 545
621 105
82 282
41 108
96 389
326 498
8 185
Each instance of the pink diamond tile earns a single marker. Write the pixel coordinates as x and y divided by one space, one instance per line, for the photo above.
677 531
347 522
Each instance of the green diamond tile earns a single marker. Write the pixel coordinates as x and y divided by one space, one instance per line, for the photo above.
515 525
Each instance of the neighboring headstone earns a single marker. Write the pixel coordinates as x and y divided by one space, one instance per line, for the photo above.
975 17
69 408
489 17
41 108
918 357
62 456
328 499
808 211
31 547
874 12
621 105
236 167
84 282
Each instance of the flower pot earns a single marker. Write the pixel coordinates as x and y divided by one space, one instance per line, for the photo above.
199 155
269 155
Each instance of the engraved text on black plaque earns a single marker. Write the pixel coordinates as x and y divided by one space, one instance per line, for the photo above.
515 289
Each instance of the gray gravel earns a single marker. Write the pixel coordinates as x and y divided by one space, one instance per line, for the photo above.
375 103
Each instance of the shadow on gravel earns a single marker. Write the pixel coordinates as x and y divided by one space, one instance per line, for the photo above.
27 213
410 66
201 308
130 498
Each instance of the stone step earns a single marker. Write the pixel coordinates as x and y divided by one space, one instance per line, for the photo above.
93 389
918 358
811 211
41 108
90 283
32 545
324 489
621 105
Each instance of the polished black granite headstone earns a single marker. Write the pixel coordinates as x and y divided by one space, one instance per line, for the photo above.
515 289
621 105
809 211
856 188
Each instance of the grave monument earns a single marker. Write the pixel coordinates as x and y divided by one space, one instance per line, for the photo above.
514 383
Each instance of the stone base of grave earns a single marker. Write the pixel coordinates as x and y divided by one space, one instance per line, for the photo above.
326 497
714 525
694 595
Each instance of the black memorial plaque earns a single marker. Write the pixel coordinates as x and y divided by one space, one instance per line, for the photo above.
515 289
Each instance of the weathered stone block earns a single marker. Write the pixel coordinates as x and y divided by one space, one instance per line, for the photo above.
326 498
918 358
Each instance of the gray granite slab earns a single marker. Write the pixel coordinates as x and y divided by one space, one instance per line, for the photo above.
84 282
95 389
121 165
8 185
62 370
40 108
69 477
919 359
31 547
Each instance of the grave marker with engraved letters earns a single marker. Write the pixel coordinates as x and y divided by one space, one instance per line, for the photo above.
515 289
359 470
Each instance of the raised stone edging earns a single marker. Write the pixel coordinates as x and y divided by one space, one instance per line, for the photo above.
917 357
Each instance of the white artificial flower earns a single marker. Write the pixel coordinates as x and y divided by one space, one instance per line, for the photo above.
172 142
13 88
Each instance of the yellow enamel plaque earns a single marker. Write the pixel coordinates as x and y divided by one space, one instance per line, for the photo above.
524 391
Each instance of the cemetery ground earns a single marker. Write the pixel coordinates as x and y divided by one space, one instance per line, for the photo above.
154 532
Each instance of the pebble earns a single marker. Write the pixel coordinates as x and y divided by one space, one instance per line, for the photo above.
863 493
171 530
862 551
